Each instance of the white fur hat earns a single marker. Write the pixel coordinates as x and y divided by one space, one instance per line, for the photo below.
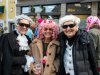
69 18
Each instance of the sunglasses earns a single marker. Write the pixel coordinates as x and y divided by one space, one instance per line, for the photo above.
23 24
70 25
50 29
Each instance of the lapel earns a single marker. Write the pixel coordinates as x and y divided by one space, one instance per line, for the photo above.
40 47
12 39
53 47
54 42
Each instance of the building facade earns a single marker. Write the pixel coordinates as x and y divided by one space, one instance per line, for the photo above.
7 14
58 8
45 9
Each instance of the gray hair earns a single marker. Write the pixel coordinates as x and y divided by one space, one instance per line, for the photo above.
69 18
20 17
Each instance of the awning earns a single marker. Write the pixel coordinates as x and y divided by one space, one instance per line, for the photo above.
45 2
1 9
90 1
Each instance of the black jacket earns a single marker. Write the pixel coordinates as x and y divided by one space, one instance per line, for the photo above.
12 58
83 54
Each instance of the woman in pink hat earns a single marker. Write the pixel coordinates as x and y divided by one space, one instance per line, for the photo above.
45 49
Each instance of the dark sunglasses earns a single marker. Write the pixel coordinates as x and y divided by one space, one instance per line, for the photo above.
23 24
70 25
50 29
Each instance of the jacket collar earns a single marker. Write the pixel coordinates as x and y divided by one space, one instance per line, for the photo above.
81 36
54 42
40 45
39 42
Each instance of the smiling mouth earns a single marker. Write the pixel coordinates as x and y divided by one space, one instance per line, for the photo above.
69 31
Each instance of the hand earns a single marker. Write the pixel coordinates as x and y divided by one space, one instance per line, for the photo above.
36 71
36 68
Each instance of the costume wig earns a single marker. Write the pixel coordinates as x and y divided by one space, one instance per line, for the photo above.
91 21
72 18
48 23
22 16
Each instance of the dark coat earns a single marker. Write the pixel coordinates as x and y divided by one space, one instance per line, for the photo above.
12 58
95 32
83 54
1 37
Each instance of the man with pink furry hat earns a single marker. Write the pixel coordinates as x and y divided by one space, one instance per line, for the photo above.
93 27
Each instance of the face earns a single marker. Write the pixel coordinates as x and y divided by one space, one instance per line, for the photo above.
33 26
47 31
23 26
69 28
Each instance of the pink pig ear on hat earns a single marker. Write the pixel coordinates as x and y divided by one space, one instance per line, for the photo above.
39 20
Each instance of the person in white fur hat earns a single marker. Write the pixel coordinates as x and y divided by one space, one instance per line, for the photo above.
16 53
77 54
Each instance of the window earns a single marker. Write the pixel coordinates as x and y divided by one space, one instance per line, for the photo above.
78 8
25 9
45 8
49 8
38 9
1 9
52 8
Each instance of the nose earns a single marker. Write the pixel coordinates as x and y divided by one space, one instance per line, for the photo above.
24 26
68 27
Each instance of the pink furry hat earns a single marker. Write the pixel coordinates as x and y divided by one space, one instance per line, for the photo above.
48 23
91 21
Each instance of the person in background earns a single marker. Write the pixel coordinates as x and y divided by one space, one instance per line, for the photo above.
16 53
30 32
39 20
93 26
77 52
1 31
33 26
45 49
